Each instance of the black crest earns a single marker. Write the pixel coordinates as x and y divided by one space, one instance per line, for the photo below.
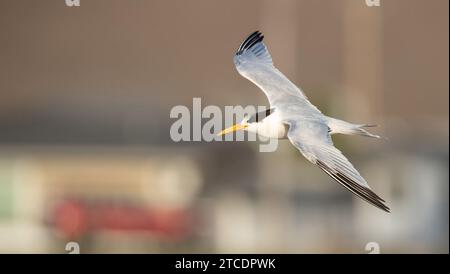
259 116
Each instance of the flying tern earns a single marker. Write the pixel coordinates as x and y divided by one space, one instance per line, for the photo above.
292 116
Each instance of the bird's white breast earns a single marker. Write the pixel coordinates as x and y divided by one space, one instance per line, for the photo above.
270 127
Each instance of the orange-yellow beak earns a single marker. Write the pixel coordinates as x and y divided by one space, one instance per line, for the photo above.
232 129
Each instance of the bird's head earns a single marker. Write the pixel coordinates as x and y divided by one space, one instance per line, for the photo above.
250 122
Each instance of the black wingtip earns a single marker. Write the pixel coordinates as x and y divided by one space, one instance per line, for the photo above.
362 192
250 41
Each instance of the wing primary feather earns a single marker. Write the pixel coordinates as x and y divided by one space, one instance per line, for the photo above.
360 187
250 41
255 41
350 187
364 193
241 47
246 40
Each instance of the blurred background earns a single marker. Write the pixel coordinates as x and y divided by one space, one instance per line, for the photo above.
86 154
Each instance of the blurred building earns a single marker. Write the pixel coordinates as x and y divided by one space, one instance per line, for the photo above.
85 151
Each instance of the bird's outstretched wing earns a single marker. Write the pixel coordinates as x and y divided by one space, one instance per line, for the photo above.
253 61
314 142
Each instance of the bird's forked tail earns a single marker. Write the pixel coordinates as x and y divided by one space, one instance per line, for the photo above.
343 127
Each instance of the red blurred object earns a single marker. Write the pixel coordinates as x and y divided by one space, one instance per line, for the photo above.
76 218
70 218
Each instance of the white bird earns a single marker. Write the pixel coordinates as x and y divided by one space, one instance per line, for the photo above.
292 116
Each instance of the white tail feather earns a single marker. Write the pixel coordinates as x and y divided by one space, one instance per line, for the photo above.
338 126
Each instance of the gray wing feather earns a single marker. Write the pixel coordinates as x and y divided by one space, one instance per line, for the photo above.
313 140
254 62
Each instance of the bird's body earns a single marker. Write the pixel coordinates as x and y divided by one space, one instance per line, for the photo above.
292 116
